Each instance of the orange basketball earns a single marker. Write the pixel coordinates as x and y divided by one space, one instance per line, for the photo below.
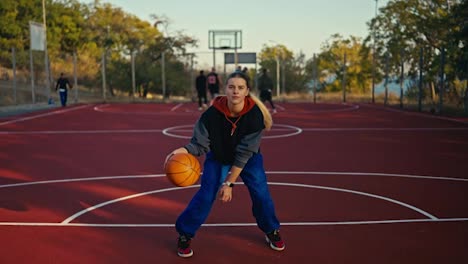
182 169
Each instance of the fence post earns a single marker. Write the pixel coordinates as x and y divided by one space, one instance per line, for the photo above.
75 78
386 78
103 70
402 76
13 54
441 85
314 74
31 65
344 78
132 58
421 61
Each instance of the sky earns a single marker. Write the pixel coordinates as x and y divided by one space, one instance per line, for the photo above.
300 25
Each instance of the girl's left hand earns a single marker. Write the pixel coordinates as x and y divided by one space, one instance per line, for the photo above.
225 194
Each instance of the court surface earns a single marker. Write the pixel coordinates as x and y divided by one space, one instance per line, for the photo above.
351 184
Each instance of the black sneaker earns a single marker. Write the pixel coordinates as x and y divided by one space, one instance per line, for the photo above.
183 247
275 241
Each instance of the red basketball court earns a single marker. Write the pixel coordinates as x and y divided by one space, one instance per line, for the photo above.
351 184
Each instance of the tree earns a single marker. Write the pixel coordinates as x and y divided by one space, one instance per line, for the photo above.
405 26
14 27
331 63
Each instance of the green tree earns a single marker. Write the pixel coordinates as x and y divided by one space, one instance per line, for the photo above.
332 64
404 26
14 27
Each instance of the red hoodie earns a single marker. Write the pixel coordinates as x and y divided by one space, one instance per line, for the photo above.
221 103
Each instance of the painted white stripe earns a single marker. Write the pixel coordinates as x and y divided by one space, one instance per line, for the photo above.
82 179
293 131
369 174
376 174
176 107
68 109
89 209
428 129
179 129
402 111
358 193
350 107
321 223
279 106
99 108
45 132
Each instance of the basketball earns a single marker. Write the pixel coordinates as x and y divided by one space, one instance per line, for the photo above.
182 169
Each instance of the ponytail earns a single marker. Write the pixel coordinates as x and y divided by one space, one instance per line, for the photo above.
267 119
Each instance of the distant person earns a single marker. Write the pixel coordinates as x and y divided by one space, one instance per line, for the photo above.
145 90
265 86
245 71
200 83
62 86
213 83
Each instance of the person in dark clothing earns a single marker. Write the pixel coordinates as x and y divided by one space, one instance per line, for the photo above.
145 90
62 86
265 86
200 84
229 133
214 83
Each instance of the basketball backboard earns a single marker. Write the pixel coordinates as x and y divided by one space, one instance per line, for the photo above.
225 39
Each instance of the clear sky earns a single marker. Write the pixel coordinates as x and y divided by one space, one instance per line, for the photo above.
300 25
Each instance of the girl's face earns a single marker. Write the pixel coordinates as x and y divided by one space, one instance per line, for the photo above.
236 90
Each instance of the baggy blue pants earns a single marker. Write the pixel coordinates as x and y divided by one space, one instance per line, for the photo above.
214 173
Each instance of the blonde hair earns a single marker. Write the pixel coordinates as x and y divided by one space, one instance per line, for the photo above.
267 119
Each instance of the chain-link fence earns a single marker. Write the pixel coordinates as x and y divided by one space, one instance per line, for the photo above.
127 79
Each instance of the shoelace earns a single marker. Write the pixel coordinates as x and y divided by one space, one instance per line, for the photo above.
184 242
275 236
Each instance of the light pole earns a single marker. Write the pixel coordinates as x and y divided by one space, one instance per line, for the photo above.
373 55
343 83
278 85
46 59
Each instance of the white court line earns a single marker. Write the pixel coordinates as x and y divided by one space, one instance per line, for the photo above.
176 107
173 109
167 132
377 174
113 131
99 108
428 129
279 106
236 224
319 223
349 108
82 179
287 128
43 115
417 114
368 174
91 208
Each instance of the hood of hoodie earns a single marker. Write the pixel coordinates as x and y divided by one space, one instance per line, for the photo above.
221 103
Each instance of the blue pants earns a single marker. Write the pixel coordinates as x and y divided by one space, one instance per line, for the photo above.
254 177
63 97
